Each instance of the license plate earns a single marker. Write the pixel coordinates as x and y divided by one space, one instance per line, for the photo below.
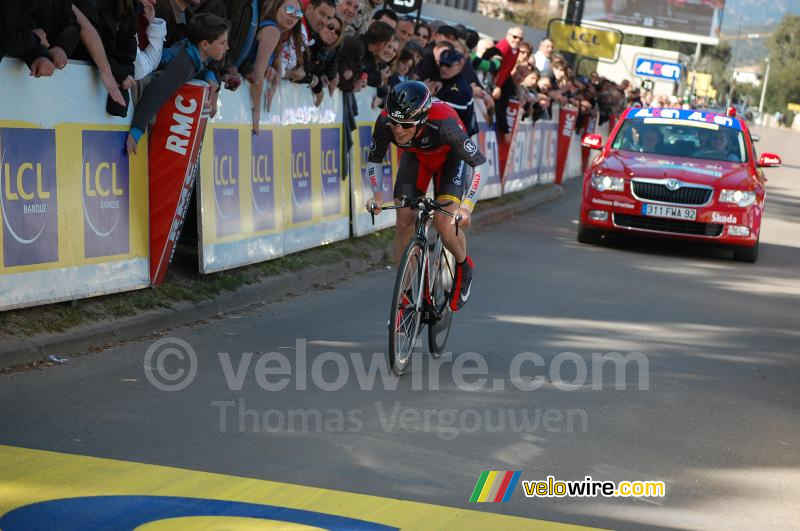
663 211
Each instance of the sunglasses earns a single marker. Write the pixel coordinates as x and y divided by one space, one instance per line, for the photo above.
336 30
516 37
404 125
294 12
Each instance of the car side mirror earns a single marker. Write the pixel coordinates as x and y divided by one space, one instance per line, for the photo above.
769 160
592 141
755 138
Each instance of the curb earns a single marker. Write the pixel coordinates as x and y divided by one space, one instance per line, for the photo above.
271 289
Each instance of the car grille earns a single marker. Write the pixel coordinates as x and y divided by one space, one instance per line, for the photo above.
674 226
685 195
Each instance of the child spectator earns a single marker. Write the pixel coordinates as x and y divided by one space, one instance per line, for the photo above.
243 16
207 40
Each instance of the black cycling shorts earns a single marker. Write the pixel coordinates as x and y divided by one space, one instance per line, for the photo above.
448 171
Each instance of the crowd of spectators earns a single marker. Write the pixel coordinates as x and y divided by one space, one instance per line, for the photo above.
149 47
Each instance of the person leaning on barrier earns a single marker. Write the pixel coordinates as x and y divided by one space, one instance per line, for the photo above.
57 26
279 31
116 22
17 40
207 40
455 90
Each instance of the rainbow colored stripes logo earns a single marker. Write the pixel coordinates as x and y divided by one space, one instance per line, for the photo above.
495 486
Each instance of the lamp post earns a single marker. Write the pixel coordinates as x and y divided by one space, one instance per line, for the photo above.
733 68
763 92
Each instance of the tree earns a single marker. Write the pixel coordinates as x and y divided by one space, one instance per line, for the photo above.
784 56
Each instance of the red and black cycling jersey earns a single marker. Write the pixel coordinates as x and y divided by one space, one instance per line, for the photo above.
442 133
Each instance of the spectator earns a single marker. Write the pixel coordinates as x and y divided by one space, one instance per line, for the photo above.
58 29
404 29
116 22
243 16
318 14
348 11
387 16
428 67
390 50
17 40
323 66
351 63
422 33
542 57
147 60
207 40
509 48
378 35
524 52
403 66
176 14
279 33
93 47
455 90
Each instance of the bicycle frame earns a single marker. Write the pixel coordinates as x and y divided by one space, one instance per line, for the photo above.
425 207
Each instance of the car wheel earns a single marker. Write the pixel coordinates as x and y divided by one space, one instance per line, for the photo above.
586 235
746 254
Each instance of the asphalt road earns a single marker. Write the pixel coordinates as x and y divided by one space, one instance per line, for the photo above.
710 404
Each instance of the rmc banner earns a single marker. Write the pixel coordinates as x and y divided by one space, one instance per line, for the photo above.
532 155
74 205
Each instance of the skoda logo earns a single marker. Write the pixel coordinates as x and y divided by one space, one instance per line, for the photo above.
673 184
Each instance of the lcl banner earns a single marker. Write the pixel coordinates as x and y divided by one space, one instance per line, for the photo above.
174 149
73 205
567 118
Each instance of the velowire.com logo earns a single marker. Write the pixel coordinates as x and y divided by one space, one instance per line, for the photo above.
495 486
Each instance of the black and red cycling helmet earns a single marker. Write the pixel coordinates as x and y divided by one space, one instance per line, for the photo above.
409 102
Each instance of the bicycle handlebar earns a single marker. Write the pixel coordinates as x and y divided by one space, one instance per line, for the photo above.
424 203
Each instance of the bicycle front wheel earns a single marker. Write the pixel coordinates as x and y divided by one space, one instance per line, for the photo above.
406 312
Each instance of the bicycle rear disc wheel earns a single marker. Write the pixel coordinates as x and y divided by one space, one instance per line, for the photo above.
443 270
405 314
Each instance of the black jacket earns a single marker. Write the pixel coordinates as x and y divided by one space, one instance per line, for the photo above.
457 93
324 62
59 22
240 15
176 29
16 39
117 30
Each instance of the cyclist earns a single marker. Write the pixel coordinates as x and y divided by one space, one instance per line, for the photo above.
433 143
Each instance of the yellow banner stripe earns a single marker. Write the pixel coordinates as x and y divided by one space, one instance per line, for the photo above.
31 476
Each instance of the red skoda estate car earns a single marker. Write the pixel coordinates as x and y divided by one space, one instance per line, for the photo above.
677 173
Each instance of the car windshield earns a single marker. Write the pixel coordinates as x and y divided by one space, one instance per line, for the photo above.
681 138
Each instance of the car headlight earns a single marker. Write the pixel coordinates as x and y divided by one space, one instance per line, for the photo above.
601 183
743 198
